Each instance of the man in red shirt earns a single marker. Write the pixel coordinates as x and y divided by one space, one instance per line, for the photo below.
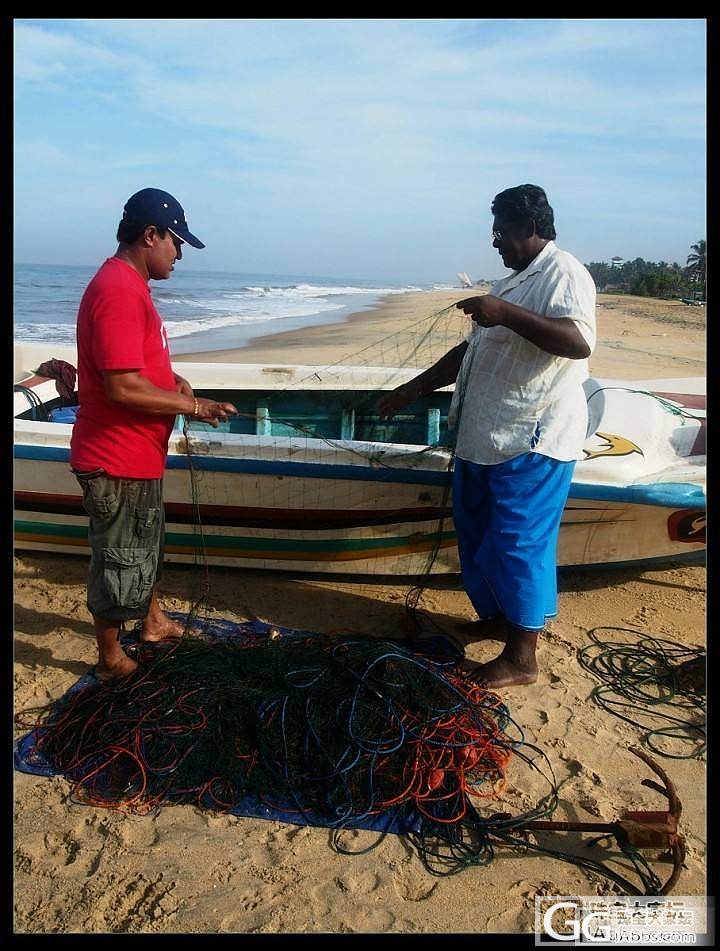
129 397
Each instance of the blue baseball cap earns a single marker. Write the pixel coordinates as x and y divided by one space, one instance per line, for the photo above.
152 206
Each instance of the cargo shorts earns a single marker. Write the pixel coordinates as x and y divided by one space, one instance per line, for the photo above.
126 535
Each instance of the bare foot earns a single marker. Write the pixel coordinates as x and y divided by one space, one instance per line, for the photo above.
484 629
116 670
502 672
160 626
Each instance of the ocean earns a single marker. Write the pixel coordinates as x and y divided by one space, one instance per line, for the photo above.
202 310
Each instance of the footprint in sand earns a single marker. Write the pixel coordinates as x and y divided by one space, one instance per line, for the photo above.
138 836
519 911
412 885
250 900
223 873
555 682
574 766
23 862
376 920
217 822
71 847
511 921
358 883
64 847
131 904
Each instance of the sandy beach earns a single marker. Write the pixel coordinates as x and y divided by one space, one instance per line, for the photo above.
638 338
85 870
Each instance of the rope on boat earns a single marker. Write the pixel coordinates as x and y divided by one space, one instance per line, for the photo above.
668 405
375 456
200 588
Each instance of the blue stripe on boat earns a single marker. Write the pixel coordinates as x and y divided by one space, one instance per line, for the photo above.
307 470
676 495
667 494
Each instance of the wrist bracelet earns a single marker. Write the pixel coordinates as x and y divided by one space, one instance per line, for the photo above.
196 407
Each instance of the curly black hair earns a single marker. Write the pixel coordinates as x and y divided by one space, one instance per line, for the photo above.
526 203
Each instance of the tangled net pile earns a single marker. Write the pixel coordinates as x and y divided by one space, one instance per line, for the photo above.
333 731
336 730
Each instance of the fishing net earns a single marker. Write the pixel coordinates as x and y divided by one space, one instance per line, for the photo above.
326 484
311 729
331 730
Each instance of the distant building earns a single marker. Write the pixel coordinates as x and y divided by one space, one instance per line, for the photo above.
616 261
623 288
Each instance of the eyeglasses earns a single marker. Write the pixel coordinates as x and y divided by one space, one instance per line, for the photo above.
514 226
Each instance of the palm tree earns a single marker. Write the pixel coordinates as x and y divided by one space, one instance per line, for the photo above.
696 261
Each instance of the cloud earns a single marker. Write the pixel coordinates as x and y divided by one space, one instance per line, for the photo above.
41 55
302 80
423 119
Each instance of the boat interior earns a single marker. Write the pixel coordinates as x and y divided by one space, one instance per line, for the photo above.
340 414
330 414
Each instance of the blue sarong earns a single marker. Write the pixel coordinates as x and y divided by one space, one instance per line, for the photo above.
507 518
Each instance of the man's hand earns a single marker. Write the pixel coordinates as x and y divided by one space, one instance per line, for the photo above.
392 402
182 386
211 412
559 336
486 310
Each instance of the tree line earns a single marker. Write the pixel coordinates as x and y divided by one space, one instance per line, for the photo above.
654 279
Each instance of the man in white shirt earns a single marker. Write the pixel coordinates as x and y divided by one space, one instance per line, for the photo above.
521 417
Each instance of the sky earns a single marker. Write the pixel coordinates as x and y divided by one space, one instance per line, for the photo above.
360 148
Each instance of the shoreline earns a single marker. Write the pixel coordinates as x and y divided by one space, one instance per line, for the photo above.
638 337
241 335
400 311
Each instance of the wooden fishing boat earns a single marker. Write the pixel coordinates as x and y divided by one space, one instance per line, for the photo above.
308 479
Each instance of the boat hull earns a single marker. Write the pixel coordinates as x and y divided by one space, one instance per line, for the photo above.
367 525
326 504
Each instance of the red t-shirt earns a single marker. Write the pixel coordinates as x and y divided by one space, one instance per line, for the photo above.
118 328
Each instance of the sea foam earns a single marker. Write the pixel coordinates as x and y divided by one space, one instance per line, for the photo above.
47 300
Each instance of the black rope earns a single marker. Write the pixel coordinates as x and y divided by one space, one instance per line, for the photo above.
665 403
35 402
643 683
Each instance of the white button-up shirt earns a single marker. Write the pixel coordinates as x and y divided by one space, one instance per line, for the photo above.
512 397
